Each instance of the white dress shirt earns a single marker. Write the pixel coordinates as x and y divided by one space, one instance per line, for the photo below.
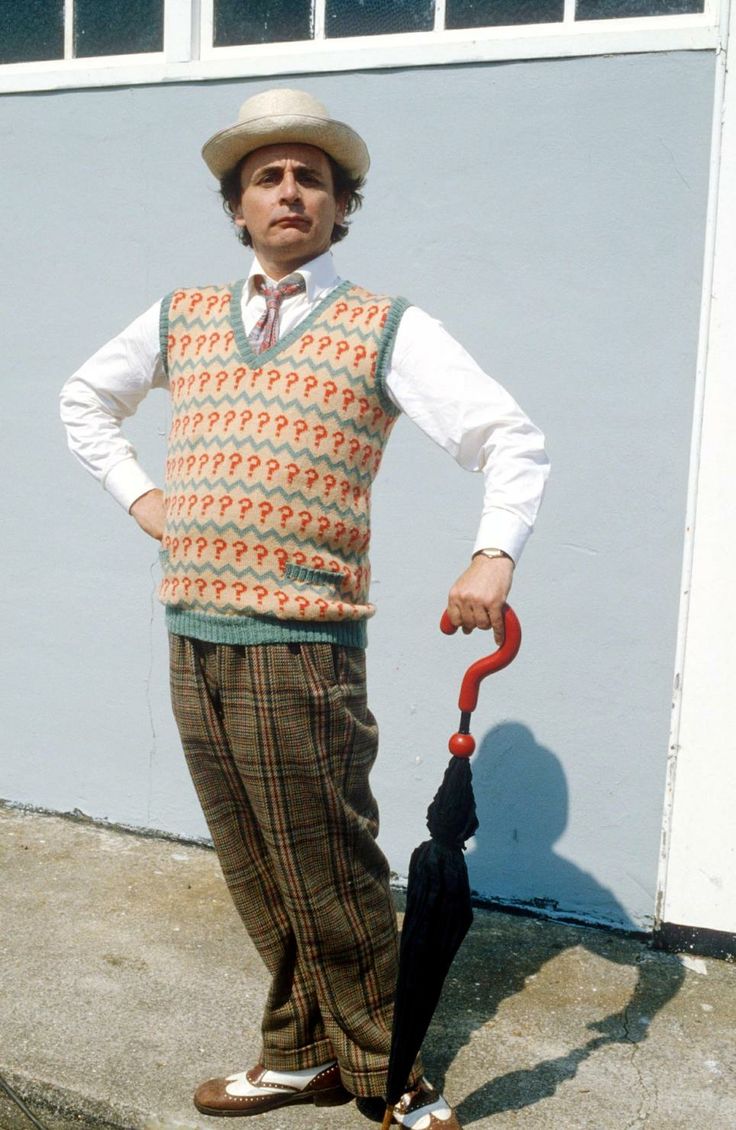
430 377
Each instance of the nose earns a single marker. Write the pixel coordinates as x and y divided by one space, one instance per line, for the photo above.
289 188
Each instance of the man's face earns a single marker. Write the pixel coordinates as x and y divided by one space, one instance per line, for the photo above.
288 205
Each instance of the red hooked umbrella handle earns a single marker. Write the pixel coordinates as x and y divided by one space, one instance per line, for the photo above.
462 744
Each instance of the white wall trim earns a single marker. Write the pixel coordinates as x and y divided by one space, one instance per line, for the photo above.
68 29
701 706
181 31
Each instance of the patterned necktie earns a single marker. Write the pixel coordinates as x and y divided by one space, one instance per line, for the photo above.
265 333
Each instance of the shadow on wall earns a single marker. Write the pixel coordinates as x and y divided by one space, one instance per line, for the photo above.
522 803
522 800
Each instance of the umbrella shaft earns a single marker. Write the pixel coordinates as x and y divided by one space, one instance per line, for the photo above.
388 1118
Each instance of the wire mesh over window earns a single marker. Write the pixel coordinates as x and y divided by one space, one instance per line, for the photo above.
31 30
242 22
261 21
502 13
620 9
377 17
129 28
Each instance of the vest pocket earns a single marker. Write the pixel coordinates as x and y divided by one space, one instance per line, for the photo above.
322 577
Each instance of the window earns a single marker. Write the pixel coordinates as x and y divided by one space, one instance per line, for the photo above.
45 30
377 17
32 31
264 21
46 44
274 21
129 28
486 13
607 10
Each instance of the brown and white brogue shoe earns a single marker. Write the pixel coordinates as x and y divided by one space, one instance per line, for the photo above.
423 1108
259 1090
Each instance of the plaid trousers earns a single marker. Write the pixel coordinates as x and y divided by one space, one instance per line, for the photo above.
279 742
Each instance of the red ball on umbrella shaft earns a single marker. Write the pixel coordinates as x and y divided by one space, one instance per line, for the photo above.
462 745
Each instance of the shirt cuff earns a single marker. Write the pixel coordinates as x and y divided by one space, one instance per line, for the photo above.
126 482
499 529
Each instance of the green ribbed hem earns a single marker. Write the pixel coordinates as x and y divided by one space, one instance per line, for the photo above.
245 630
398 308
163 330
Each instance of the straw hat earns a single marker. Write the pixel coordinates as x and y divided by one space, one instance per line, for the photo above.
280 115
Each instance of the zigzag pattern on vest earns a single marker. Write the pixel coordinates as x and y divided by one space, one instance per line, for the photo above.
272 456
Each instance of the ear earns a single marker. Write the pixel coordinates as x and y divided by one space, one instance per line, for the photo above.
342 203
237 214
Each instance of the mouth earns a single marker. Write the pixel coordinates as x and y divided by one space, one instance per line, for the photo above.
292 222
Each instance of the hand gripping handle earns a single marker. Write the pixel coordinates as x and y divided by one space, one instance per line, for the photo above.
496 661
462 744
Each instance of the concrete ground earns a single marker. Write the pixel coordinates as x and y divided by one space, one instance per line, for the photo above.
126 978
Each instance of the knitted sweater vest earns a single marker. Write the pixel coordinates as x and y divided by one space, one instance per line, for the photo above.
270 464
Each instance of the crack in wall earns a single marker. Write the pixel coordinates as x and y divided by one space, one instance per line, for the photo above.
149 704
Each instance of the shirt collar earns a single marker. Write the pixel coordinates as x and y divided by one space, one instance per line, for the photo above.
319 275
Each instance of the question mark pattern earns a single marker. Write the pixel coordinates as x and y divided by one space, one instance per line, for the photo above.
270 462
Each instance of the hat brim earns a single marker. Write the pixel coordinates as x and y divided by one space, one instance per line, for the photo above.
226 148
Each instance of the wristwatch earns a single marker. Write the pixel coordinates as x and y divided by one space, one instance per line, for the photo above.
493 553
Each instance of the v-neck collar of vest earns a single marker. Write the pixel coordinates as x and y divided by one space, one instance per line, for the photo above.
245 349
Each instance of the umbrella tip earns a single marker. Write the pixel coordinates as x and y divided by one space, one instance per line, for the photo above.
388 1118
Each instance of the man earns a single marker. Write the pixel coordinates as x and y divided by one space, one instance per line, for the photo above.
284 390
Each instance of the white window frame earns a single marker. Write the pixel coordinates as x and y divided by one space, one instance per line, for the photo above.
189 55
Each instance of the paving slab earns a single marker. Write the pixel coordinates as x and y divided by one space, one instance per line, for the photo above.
127 978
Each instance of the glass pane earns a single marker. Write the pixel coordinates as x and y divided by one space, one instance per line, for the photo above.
31 31
377 17
261 21
502 13
611 9
118 29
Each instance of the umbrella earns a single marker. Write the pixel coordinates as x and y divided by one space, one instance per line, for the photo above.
438 911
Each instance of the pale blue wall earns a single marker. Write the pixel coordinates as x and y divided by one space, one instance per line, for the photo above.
571 194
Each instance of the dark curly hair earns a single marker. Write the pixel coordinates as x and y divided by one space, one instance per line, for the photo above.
343 186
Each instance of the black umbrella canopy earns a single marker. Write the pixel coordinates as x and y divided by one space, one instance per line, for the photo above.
438 908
